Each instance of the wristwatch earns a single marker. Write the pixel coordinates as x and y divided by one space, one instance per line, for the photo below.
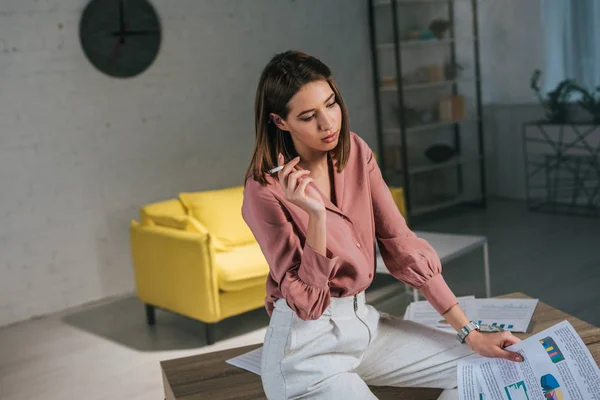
470 327
486 328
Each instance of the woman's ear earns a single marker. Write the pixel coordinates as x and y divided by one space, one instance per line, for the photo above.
279 122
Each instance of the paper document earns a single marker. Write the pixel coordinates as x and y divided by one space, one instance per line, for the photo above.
509 314
557 366
249 361
470 388
424 313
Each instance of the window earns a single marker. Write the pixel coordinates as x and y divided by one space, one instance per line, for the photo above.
571 42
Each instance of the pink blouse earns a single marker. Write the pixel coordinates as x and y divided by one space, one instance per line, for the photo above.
365 212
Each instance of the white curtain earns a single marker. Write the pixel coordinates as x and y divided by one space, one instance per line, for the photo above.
571 42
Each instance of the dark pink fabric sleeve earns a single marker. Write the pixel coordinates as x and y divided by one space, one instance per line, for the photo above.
302 273
408 258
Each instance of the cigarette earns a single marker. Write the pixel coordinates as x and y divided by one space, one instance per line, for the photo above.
276 169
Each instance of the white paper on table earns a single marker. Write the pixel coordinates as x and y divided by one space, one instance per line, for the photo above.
557 366
407 313
249 361
424 313
510 314
468 383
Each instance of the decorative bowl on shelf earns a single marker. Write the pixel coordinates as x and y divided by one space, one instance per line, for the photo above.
415 116
452 108
439 153
438 27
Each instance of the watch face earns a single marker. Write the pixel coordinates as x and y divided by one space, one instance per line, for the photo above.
120 37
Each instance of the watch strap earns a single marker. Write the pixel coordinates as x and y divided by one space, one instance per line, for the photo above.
464 332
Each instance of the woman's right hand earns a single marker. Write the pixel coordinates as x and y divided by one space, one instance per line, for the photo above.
295 185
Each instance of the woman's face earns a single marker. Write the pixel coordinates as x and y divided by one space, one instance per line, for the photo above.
314 119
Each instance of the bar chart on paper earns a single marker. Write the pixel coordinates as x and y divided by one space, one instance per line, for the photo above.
500 325
506 314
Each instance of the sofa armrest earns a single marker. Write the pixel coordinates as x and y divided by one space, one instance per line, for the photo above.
175 270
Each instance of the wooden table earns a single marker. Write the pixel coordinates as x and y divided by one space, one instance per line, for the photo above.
208 376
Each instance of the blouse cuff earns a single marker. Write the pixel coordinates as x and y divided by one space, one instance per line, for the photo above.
437 292
315 268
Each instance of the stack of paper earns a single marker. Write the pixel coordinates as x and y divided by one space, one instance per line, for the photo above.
557 365
509 314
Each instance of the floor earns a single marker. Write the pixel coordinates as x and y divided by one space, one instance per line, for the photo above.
552 257
105 351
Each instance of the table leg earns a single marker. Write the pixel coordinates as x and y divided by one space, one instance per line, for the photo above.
486 270
408 290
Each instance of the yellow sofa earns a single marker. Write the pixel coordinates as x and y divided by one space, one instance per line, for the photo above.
195 255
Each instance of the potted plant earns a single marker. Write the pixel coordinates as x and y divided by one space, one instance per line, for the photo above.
589 101
556 102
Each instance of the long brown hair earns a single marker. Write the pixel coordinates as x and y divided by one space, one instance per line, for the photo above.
285 74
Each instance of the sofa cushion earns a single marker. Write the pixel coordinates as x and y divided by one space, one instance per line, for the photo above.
167 207
169 218
182 222
220 211
241 267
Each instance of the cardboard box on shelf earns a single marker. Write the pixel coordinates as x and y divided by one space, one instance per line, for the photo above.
451 108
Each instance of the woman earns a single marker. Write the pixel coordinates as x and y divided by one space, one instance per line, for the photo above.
316 221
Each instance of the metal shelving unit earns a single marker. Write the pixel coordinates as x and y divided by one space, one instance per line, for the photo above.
425 127
407 2
427 85
409 171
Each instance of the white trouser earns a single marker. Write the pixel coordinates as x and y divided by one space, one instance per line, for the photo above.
351 346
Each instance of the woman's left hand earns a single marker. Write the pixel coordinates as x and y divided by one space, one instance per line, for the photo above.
493 344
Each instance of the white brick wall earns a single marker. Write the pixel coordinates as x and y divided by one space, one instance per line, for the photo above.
511 49
80 152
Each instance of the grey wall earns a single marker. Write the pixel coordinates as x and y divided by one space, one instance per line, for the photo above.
504 149
511 49
80 152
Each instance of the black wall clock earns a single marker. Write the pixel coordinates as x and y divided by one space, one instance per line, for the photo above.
120 37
